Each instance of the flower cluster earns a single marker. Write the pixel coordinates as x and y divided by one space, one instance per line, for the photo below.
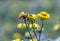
32 18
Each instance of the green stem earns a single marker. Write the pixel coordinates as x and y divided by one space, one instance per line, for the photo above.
41 31
34 31
28 29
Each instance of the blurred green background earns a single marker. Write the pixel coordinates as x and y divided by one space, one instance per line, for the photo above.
10 9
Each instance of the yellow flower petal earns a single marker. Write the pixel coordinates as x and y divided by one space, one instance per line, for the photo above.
43 13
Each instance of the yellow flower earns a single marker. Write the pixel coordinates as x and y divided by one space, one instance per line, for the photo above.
31 17
35 26
44 15
21 25
56 27
16 40
33 39
16 35
22 15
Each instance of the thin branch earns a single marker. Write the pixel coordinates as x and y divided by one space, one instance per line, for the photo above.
41 31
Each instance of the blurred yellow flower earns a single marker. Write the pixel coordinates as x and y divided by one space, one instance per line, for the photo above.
21 25
43 15
22 15
33 39
35 26
16 40
56 27
16 35
31 17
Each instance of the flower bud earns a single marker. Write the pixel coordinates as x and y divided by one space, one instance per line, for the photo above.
34 26
21 25
31 17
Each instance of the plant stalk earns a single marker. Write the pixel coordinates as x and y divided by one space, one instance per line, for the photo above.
41 31
28 29
34 32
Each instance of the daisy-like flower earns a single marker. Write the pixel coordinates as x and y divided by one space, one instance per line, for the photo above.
34 26
21 25
44 15
16 35
22 15
33 40
31 17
